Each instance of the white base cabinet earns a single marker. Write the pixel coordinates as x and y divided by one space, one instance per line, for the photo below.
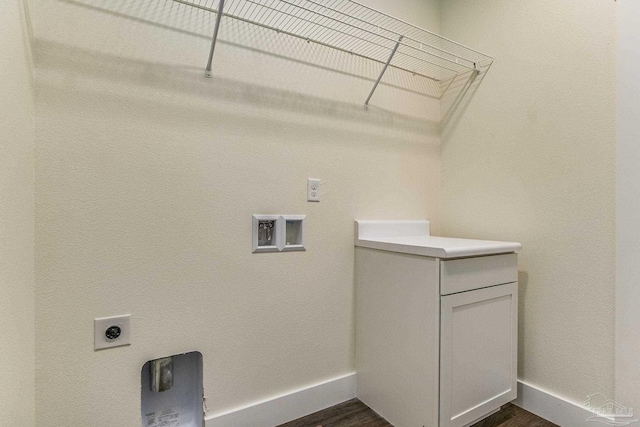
436 339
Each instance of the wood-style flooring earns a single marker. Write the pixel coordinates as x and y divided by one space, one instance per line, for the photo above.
356 414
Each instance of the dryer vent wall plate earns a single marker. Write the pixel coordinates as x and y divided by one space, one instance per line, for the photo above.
172 391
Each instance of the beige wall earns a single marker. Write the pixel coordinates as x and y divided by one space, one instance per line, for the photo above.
16 218
146 178
628 206
532 158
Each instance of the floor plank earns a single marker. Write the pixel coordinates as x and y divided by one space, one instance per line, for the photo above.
514 416
354 413
348 414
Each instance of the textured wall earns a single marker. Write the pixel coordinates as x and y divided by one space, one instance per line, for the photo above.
532 158
146 178
16 218
628 207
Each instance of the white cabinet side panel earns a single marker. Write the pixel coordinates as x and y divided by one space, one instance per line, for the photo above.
397 336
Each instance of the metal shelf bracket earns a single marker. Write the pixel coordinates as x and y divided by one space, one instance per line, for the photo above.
207 72
384 69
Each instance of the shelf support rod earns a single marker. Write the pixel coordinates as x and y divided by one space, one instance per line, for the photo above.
207 72
384 69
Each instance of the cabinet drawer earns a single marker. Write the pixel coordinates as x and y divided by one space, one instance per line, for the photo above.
460 275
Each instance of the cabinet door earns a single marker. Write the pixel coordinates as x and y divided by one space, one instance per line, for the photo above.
478 353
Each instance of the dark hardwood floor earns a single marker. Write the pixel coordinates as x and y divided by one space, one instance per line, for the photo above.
352 413
356 414
514 416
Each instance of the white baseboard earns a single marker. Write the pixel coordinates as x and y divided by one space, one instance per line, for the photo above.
290 406
552 408
299 403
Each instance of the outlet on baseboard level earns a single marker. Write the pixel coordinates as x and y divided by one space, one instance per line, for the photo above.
111 332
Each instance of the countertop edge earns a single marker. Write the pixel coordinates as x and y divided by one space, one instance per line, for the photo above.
403 249
508 247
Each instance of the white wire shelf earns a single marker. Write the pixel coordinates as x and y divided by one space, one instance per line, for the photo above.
351 27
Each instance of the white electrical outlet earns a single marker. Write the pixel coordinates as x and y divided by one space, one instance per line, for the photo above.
111 331
313 190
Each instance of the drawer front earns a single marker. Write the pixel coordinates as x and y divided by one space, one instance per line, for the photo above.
460 275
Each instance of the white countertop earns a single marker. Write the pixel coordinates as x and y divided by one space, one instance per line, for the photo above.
412 237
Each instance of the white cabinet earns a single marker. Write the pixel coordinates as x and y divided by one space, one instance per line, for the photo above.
478 353
436 325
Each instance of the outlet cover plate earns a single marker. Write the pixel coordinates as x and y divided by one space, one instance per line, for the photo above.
313 190
100 326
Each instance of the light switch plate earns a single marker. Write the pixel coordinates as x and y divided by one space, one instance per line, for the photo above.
111 332
313 190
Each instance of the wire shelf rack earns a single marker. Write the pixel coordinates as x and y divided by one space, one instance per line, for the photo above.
354 28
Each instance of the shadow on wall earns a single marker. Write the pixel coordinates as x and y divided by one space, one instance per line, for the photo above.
69 69
456 100
523 283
